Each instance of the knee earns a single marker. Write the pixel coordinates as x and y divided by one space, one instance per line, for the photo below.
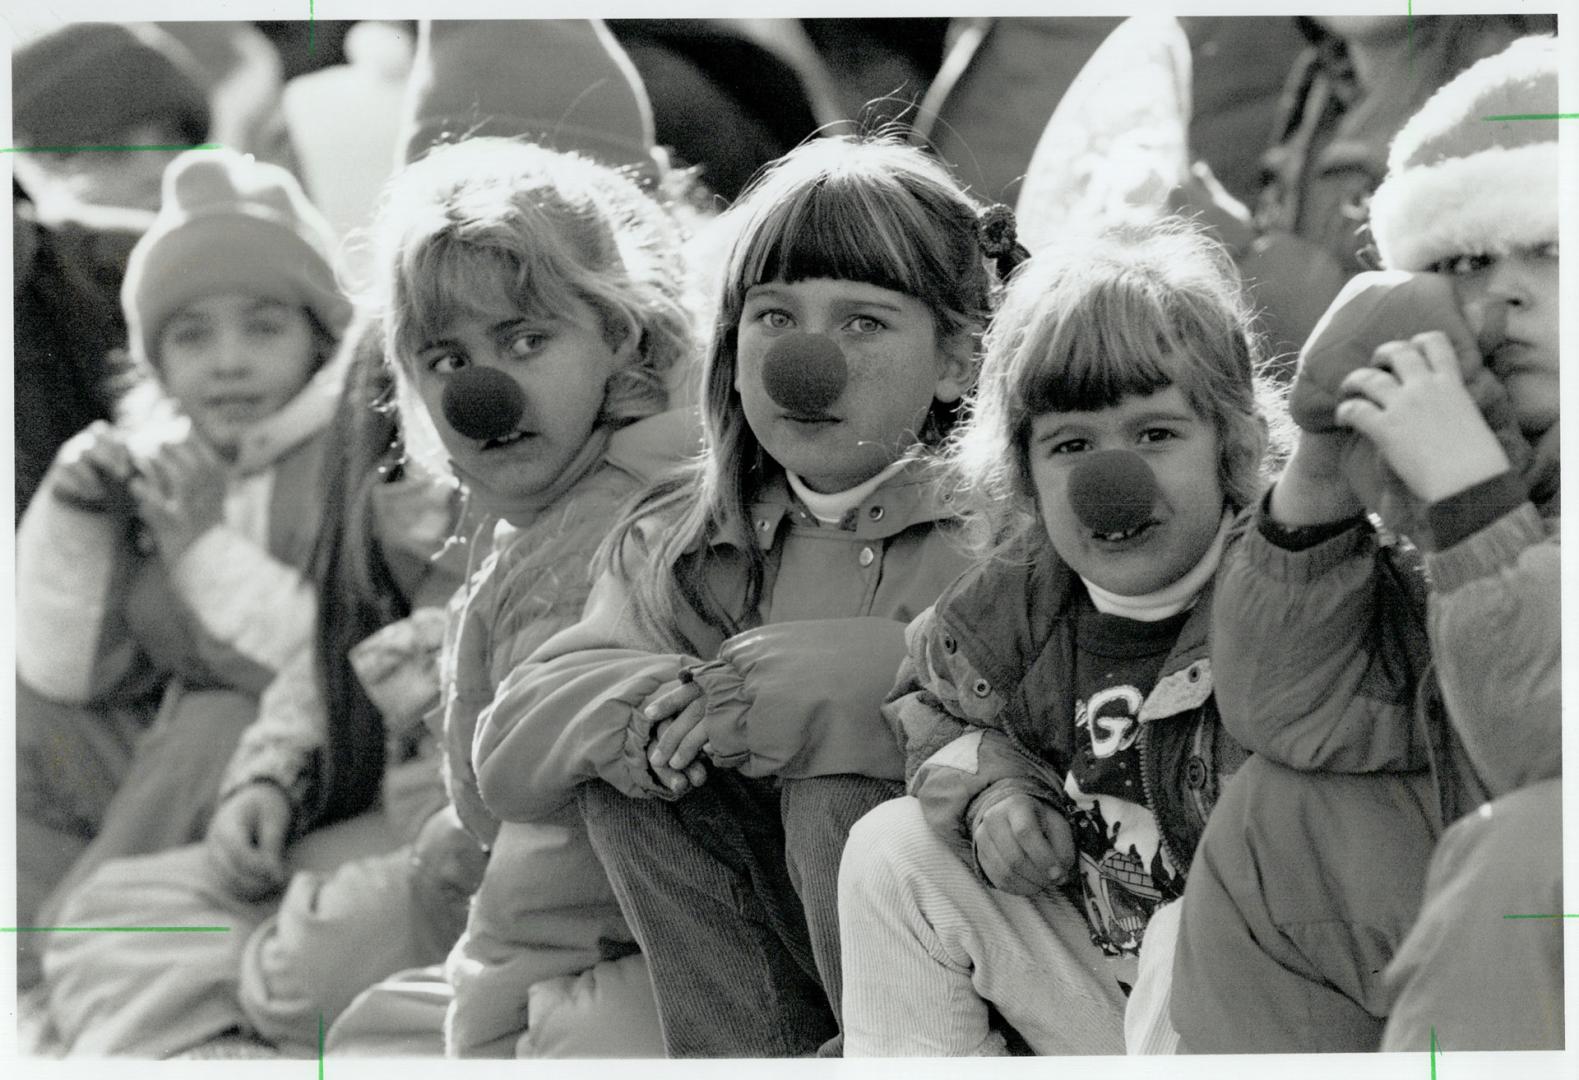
889 844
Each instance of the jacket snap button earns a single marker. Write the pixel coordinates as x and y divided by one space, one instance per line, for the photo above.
1195 673
949 644
876 513
866 557
1195 773
762 523
981 688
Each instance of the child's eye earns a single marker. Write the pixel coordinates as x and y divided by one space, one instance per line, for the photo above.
1067 446
774 319
1547 250
192 333
444 363
525 343
1157 435
1464 265
265 327
866 324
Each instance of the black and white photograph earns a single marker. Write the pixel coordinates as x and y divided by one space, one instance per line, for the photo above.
798 532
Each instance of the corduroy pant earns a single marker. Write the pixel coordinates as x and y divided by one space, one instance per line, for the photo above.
930 948
732 893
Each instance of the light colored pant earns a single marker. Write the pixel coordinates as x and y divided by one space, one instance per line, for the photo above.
341 925
927 945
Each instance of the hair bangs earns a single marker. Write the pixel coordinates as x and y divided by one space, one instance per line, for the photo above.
1100 352
449 278
835 230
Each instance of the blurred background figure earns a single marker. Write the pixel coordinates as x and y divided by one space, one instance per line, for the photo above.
1351 87
76 212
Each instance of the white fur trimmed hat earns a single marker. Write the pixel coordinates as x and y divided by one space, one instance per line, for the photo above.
1459 183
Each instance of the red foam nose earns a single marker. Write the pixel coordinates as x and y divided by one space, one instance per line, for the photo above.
804 373
483 403
1112 491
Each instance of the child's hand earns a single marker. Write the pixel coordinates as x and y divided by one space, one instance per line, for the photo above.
246 841
1412 405
180 494
94 467
678 736
1024 846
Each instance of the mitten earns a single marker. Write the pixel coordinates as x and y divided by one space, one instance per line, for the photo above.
1381 306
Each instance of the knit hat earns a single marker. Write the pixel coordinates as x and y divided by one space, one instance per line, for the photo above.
1460 184
87 83
565 83
228 223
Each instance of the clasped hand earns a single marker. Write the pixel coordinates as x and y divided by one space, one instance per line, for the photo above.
678 735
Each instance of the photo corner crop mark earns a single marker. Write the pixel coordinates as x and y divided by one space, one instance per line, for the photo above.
1574 916
1433 1054
320 1046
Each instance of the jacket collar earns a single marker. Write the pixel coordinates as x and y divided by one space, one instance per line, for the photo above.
298 420
1006 615
912 496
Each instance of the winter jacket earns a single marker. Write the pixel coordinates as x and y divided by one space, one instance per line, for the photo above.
984 705
796 695
544 908
101 621
1346 657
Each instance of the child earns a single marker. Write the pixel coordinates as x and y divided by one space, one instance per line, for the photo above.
510 273
159 573
1061 739
314 757
1385 704
715 713
557 279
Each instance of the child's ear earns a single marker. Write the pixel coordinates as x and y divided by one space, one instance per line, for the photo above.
958 367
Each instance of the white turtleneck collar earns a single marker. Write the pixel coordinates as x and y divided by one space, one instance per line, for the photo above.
1170 599
830 509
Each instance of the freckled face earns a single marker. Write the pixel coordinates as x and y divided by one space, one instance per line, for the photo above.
562 366
1181 450
897 367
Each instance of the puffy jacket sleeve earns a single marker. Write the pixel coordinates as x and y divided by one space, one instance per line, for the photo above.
1316 654
804 698
958 760
283 745
73 566
572 712
253 612
1501 585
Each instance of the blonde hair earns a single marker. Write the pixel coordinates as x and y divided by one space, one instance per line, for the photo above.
1126 311
492 223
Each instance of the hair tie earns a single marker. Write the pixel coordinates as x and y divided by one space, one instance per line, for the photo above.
996 234
995 231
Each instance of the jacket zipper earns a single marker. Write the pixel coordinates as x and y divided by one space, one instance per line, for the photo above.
1144 745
